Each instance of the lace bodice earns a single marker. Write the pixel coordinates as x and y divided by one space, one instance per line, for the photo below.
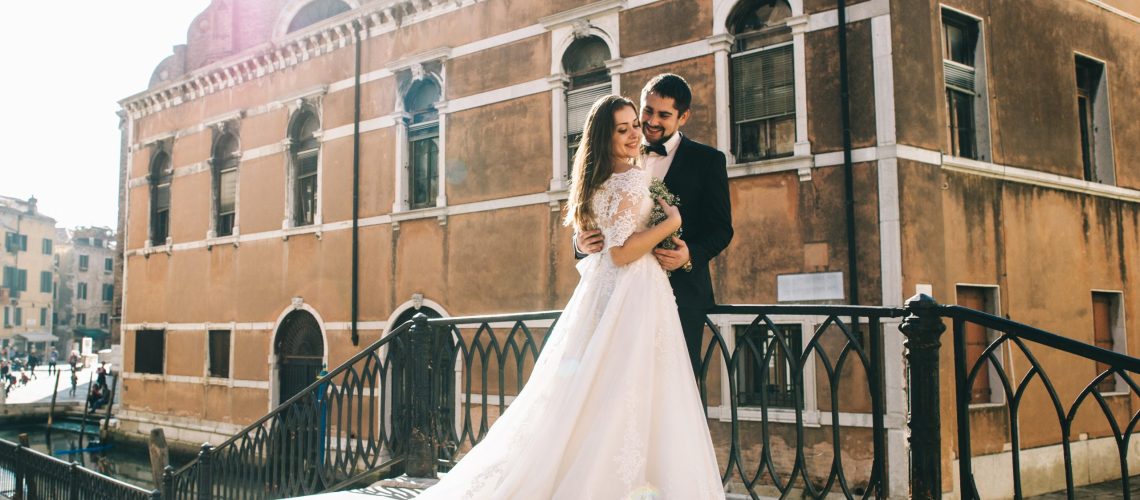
621 206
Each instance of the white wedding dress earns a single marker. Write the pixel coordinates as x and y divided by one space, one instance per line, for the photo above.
611 410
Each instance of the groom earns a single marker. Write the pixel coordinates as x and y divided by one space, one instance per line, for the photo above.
696 173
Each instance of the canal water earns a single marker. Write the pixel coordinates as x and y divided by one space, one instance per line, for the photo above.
128 462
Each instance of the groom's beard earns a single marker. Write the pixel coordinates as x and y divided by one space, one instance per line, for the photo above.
662 140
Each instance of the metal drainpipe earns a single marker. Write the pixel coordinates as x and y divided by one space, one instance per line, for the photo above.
848 174
356 190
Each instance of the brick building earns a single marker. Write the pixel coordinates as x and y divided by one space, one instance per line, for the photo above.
993 166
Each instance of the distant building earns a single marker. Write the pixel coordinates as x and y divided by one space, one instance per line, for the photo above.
85 260
28 277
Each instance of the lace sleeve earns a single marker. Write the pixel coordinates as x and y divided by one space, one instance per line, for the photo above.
617 214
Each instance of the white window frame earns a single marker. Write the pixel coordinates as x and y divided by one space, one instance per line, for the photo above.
722 42
601 20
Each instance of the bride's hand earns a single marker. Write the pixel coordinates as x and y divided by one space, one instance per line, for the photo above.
672 213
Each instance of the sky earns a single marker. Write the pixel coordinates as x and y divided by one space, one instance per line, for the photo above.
67 64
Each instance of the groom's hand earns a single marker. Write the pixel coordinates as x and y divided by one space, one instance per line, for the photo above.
590 241
671 260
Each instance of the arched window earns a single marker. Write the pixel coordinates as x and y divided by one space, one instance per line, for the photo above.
160 177
225 164
316 12
584 63
304 149
423 143
763 80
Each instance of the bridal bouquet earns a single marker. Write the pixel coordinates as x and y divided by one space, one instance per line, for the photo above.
657 190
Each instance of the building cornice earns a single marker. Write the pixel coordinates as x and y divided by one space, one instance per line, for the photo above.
372 20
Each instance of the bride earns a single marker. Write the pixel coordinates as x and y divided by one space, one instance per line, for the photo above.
610 410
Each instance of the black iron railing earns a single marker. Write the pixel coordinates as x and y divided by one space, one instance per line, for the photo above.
26 474
1038 351
795 395
343 428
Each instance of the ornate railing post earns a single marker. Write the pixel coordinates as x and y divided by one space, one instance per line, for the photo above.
19 488
421 443
73 481
923 328
205 479
168 482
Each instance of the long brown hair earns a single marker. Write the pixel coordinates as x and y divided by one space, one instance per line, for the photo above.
593 163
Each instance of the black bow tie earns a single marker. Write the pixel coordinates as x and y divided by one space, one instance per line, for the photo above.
654 148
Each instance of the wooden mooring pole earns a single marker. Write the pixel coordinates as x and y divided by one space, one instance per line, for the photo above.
55 390
159 454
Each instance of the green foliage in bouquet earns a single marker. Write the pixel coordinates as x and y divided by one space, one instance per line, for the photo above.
657 190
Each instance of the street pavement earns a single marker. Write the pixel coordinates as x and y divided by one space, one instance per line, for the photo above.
39 388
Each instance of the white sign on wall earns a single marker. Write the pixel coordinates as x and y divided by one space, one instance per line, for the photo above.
809 287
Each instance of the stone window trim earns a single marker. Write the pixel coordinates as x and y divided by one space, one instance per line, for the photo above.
224 131
290 11
303 107
161 159
600 20
423 67
722 42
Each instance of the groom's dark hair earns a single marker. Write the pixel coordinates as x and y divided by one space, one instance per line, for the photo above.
671 86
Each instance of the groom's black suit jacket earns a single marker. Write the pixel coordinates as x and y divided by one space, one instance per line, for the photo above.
699 177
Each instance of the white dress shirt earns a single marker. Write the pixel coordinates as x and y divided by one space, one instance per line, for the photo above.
659 165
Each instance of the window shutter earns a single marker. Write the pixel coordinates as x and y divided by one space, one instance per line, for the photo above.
228 191
959 76
578 104
763 84
162 197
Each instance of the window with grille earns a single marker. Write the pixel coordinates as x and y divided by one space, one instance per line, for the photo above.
160 178
963 70
220 353
1092 119
423 143
768 366
150 347
225 176
763 89
305 149
589 80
